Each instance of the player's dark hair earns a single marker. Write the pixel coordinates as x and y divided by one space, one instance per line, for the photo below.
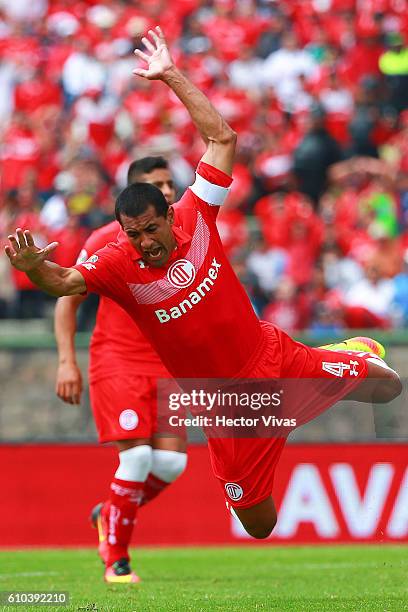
135 199
145 165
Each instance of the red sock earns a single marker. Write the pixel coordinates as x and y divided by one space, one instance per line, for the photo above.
119 512
153 486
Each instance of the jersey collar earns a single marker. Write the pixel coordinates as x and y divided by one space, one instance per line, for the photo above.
182 239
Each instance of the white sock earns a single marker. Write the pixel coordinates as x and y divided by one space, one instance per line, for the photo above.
135 463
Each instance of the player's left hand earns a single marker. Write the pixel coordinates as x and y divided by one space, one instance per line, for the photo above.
157 56
68 385
23 254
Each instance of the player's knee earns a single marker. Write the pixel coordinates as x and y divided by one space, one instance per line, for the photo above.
260 531
258 520
167 464
135 463
388 384
260 527
388 388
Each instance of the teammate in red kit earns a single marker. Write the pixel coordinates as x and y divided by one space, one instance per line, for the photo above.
168 270
123 373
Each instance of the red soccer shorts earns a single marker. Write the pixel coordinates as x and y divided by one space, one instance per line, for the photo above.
124 407
245 467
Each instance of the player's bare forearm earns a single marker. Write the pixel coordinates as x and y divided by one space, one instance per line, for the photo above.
68 382
217 134
56 280
65 323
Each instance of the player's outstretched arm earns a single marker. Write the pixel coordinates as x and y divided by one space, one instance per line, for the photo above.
68 383
215 131
25 256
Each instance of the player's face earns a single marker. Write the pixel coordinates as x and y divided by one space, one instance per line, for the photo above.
161 178
151 235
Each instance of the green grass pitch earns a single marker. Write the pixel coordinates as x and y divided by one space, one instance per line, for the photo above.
320 578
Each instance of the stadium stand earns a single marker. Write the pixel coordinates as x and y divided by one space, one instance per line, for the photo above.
317 221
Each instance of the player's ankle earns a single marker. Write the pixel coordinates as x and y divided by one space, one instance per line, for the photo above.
116 555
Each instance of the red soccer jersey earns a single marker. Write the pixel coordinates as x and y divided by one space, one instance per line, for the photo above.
117 343
194 310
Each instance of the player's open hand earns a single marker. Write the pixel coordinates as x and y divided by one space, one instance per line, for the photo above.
68 385
23 253
157 56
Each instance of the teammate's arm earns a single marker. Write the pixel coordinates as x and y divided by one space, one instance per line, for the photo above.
48 276
215 131
68 385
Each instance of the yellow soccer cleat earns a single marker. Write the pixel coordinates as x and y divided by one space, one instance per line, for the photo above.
120 572
357 344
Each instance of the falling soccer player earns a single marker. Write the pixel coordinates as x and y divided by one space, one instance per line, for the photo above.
169 272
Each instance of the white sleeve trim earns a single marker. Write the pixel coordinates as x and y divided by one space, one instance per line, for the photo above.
214 195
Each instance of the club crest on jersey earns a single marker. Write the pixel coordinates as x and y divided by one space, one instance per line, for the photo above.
181 274
234 491
340 368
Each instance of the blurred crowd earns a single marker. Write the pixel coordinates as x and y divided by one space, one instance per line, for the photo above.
316 225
